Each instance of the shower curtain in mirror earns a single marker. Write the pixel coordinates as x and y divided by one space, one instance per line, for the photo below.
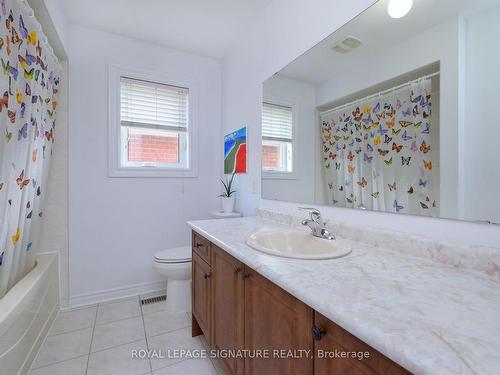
28 88
378 152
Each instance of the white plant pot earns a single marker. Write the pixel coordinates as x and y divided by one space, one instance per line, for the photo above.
228 204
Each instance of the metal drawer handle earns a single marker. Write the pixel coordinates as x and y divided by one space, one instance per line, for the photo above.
237 269
245 275
206 275
198 245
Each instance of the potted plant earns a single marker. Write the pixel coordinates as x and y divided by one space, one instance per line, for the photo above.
228 195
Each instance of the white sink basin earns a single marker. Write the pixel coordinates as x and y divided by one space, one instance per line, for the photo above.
297 244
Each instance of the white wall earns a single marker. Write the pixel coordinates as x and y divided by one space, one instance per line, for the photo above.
54 229
284 31
117 224
482 153
301 95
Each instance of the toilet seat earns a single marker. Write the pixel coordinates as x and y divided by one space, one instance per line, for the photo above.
175 255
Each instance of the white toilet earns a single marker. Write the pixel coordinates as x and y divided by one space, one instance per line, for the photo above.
175 265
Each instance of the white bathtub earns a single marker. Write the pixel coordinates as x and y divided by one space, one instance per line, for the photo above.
26 314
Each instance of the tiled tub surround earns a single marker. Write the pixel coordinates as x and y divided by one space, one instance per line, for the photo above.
432 315
98 340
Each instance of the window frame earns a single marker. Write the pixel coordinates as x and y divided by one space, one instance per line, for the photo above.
282 175
115 167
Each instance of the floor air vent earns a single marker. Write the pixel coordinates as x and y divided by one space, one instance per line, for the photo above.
147 301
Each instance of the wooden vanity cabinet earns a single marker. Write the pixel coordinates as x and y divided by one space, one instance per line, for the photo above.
228 307
275 320
330 339
237 308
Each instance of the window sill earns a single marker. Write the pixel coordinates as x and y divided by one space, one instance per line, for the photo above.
152 173
279 175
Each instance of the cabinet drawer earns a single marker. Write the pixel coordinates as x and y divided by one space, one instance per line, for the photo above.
201 246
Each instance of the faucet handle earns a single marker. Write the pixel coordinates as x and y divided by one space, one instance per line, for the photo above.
314 213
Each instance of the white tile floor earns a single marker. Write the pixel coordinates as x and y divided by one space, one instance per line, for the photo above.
99 340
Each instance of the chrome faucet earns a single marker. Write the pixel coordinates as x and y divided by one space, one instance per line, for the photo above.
317 226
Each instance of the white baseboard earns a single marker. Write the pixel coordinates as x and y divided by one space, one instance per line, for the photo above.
107 295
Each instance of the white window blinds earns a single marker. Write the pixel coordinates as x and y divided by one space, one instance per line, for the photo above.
153 105
277 122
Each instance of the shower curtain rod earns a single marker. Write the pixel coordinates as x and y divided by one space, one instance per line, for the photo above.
428 76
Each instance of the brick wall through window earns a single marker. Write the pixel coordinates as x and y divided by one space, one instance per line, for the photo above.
153 148
270 156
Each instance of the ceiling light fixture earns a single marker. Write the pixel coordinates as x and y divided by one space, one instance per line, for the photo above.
399 8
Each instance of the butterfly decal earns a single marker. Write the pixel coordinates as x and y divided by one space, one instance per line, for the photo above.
383 152
405 161
415 111
337 166
424 148
427 164
405 137
381 130
16 236
396 148
424 206
363 182
23 132
351 169
413 146
350 156
22 28
8 136
388 162
396 206
423 183
390 124
28 74
33 156
375 195
377 141
367 159
392 186
407 112
4 101
30 214
410 190
12 116
21 182
369 147
376 109
387 139
405 124
396 132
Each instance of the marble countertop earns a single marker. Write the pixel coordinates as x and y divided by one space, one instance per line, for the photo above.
431 318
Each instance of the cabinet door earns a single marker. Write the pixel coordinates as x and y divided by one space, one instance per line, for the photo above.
330 339
228 307
275 320
202 277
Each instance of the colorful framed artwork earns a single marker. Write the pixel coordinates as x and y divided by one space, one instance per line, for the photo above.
235 152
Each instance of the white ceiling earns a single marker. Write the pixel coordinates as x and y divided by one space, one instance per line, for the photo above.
204 27
378 32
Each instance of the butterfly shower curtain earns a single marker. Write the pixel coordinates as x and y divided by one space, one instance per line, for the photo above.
379 152
28 88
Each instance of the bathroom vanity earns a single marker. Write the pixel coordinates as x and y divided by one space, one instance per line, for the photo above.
237 308
416 305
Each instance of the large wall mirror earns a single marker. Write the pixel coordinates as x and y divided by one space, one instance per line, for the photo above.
392 114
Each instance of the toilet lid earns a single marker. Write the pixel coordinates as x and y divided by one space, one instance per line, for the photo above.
174 255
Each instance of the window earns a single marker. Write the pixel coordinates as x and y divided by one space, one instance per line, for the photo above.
154 122
277 138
